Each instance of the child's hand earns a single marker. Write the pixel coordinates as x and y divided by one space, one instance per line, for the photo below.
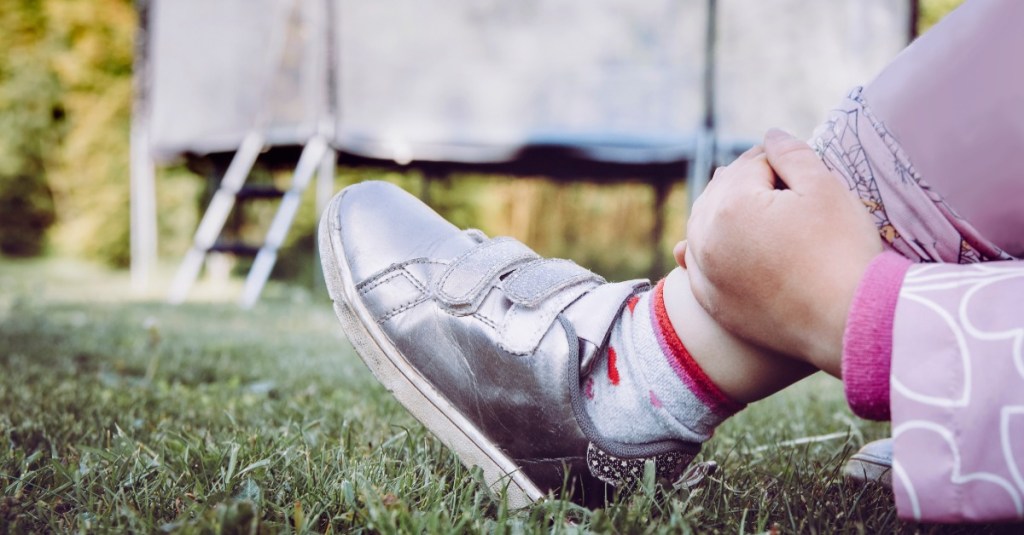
779 267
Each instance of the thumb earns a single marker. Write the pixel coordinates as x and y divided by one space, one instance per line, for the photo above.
679 252
794 161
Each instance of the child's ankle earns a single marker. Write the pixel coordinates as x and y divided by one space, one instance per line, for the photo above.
647 387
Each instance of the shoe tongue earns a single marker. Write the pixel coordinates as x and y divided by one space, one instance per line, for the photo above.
594 314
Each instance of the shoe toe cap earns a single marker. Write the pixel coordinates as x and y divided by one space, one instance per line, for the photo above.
381 224
871 464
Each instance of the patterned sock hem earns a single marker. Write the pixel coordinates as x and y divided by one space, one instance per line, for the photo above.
681 362
627 473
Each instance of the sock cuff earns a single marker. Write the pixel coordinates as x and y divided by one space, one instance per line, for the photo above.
867 341
683 364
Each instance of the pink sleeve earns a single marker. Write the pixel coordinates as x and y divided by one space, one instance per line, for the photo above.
940 347
867 342
957 392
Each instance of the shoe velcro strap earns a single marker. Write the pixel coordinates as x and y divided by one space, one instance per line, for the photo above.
539 280
540 291
524 327
463 282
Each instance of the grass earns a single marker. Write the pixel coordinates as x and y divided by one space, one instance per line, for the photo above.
123 414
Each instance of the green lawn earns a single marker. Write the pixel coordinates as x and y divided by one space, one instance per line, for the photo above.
126 414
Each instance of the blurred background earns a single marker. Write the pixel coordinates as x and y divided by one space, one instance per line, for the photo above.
573 125
66 102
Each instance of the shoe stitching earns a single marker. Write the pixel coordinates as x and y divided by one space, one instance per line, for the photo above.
395 267
427 296
483 319
402 308
392 275
460 311
388 277
486 320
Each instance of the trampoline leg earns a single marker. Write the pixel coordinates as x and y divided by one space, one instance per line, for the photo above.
324 192
311 159
661 190
216 214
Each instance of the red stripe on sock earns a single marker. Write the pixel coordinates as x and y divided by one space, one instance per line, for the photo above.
613 371
631 303
681 360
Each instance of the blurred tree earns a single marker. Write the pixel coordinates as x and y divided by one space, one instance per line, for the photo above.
90 44
933 10
65 100
31 120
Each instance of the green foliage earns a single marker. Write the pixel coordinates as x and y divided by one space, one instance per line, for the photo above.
933 10
26 212
31 120
65 100
91 45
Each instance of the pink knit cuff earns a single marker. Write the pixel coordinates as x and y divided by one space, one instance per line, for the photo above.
867 342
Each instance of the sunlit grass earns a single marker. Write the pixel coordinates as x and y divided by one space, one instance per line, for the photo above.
124 414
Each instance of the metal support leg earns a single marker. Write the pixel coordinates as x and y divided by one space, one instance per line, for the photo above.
143 208
309 162
324 192
215 216
661 191
700 173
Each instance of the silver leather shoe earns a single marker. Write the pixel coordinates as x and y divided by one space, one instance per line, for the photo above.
484 342
871 464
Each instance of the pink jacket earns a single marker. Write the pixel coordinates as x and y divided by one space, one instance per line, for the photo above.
956 384
938 345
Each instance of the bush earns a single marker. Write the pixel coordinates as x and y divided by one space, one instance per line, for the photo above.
65 101
31 120
26 212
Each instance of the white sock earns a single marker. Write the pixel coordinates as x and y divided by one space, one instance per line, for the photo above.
648 387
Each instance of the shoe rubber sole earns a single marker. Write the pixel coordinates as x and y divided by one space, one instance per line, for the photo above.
501 474
866 468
